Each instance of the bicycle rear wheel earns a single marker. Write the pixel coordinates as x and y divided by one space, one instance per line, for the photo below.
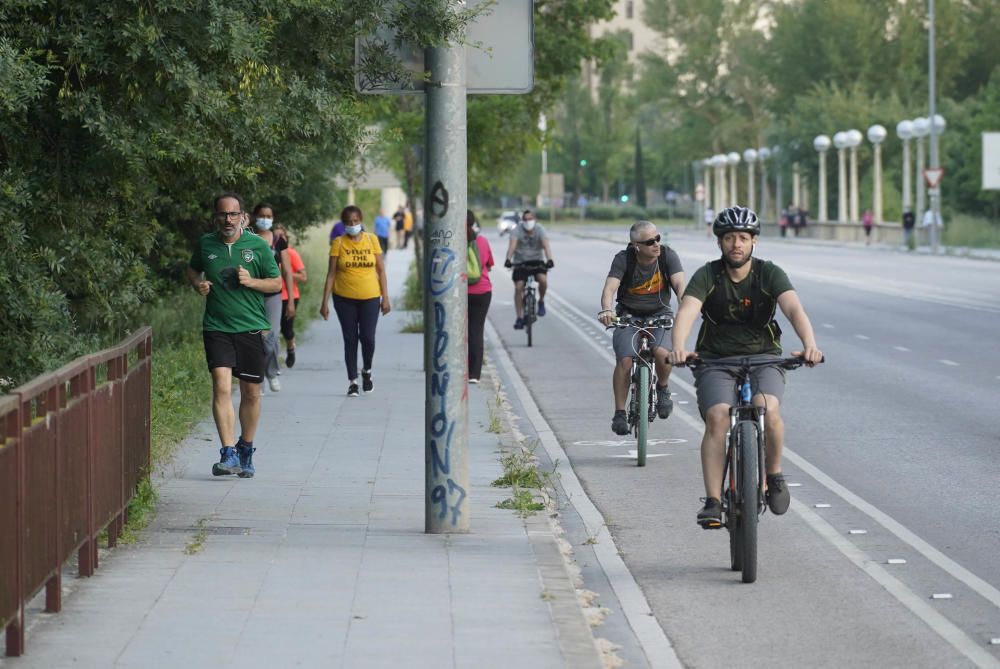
642 426
747 494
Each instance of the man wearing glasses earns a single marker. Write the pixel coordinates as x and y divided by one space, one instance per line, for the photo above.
234 269
640 280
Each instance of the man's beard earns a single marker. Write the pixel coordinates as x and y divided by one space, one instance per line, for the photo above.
737 265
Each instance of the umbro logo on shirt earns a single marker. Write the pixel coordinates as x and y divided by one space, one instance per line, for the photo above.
212 256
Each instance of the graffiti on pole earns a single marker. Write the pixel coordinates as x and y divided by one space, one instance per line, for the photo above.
447 495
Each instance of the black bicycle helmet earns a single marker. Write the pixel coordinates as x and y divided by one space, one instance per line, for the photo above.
736 219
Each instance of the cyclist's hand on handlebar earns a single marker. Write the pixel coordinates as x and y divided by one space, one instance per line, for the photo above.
507 263
549 264
680 357
811 355
607 317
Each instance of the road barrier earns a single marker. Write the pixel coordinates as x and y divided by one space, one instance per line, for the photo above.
74 445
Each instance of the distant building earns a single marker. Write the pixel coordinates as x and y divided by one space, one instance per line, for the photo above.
641 38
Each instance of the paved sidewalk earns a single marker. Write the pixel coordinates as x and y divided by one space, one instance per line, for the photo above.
321 560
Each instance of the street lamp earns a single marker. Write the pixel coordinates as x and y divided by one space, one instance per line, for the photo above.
840 141
904 130
763 153
822 144
854 138
921 128
750 157
719 163
877 135
733 159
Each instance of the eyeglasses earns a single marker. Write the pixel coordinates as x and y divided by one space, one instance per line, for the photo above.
224 215
651 241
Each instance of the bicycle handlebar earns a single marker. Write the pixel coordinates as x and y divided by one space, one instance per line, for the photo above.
746 364
642 322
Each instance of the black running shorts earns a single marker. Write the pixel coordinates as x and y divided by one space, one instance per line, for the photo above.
242 352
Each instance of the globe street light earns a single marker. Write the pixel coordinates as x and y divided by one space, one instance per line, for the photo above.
733 159
763 153
921 128
750 157
719 163
822 144
937 124
904 130
840 141
854 138
877 135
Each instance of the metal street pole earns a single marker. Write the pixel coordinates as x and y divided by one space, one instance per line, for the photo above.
446 415
935 193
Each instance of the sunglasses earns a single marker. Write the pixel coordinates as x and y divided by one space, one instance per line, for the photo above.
651 241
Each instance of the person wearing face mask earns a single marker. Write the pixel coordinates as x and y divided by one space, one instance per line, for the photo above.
356 279
480 293
233 270
529 249
263 215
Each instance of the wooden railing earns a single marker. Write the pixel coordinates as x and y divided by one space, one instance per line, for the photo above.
74 445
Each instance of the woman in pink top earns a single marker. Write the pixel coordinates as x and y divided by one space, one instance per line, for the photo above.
479 298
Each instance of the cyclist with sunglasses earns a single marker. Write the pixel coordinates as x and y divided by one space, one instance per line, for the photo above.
639 281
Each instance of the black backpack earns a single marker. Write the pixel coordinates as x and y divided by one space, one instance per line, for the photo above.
630 262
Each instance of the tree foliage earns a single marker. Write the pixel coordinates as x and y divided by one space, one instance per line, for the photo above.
120 119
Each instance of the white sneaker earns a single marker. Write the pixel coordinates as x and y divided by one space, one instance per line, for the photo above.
274 384
473 380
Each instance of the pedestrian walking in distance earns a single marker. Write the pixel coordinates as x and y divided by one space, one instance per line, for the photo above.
233 269
480 262
356 279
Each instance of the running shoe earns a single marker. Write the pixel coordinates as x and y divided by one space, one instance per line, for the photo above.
778 497
245 452
664 405
366 382
541 307
619 424
290 358
519 324
710 516
352 390
228 464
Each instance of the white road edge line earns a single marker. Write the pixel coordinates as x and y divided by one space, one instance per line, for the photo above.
655 644
978 585
937 622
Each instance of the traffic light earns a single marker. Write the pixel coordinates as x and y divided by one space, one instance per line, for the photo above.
583 162
624 199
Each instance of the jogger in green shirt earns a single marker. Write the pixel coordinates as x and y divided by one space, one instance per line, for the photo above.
233 269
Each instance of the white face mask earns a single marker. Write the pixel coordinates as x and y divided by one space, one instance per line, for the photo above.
352 230
264 223
529 225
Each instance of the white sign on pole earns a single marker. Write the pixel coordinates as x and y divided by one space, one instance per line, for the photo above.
991 161
499 53
932 176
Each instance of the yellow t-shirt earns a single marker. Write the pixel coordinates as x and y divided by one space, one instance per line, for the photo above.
356 277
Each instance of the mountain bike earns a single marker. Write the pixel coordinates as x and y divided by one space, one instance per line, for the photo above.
530 302
642 392
743 496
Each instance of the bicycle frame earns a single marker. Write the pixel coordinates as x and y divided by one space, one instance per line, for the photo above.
529 300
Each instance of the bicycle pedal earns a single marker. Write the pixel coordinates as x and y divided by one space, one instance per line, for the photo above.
711 525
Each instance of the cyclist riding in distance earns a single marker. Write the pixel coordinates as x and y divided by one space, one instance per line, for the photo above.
640 280
737 296
529 243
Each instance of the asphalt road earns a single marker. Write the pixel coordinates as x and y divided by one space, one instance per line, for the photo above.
896 434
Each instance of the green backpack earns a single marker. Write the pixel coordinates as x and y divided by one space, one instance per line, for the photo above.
474 266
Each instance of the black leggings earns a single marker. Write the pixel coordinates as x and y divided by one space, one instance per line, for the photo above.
358 319
288 324
478 306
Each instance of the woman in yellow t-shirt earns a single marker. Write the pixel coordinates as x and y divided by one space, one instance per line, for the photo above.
356 278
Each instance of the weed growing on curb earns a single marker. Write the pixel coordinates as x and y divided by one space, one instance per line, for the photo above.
198 540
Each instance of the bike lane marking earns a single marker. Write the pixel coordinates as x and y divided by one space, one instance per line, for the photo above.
897 529
653 640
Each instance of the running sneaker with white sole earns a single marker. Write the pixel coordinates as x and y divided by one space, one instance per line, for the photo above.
367 384
352 390
778 497
274 384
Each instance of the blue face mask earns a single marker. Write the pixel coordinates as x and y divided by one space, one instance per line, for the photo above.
352 230
264 223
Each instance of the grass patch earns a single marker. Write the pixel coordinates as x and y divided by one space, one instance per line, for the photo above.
198 540
495 425
140 511
413 298
522 476
414 325
523 501
971 231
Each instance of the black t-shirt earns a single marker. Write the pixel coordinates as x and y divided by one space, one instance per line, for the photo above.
649 293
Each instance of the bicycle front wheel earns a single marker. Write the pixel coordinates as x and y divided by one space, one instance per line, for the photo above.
748 495
529 314
642 426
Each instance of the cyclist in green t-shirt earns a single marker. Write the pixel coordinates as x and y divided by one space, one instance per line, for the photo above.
737 296
234 269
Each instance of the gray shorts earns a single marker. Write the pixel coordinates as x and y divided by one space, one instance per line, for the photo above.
625 341
717 386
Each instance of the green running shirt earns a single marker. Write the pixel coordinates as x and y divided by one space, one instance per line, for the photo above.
231 307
